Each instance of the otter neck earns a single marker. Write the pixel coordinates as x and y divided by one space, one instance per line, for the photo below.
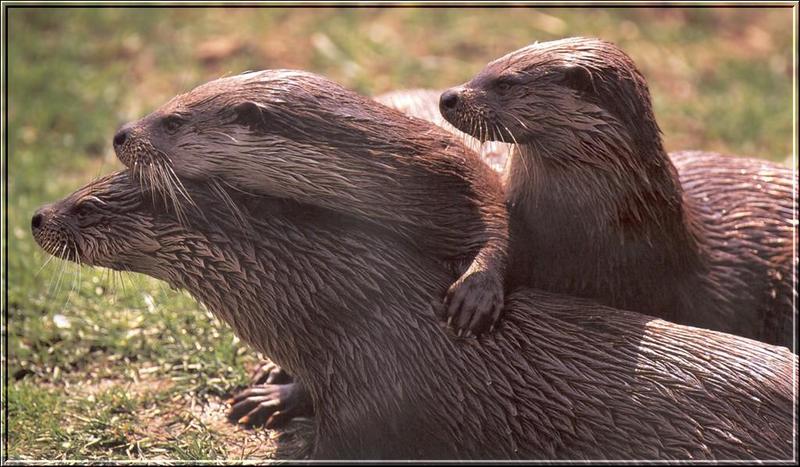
615 201
335 307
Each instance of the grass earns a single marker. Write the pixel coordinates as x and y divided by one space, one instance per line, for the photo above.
117 366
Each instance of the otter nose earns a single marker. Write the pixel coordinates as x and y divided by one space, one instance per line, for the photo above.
39 218
121 136
449 99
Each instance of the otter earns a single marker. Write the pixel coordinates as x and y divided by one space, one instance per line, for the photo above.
597 208
423 103
296 135
273 398
351 308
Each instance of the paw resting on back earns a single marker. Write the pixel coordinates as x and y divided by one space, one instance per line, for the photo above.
474 302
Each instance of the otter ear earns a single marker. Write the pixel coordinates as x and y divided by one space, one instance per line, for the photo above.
577 77
251 114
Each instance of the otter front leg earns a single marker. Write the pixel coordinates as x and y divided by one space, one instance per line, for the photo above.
475 301
272 400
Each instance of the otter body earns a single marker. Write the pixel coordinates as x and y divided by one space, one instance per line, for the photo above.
349 308
298 136
597 208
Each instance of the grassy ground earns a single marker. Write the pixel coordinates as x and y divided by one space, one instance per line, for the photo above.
118 366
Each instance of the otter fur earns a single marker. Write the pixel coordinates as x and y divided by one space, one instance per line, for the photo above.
424 104
598 209
296 135
350 308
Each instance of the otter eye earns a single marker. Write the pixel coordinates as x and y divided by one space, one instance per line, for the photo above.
81 210
505 83
172 124
86 206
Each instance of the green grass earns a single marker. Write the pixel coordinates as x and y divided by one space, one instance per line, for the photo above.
118 366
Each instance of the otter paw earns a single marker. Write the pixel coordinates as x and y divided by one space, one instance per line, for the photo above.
270 405
474 302
269 373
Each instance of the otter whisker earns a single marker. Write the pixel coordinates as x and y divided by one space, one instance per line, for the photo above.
80 267
46 247
75 279
167 191
138 173
464 137
128 274
109 279
501 137
169 188
517 119
118 274
473 127
55 283
160 190
226 199
106 277
157 184
179 185
170 194
516 147
223 134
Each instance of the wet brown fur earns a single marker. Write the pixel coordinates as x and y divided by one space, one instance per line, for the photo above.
349 308
598 209
298 136
423 103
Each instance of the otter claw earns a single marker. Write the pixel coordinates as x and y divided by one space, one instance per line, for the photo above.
274 400
475 302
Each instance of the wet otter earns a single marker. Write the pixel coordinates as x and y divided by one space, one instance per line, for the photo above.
273 398
255 132
598 210
424 104
349 307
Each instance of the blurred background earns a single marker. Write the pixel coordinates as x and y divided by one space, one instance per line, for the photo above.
106 365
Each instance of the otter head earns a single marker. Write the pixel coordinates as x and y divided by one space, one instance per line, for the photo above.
197 123
107 223
274 132
547 89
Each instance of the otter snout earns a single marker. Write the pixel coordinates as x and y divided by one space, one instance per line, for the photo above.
448 100
40 218
48 230
457 106
450 103
121 137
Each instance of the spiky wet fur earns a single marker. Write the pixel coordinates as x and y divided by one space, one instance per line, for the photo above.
598 209
350 309
299 136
